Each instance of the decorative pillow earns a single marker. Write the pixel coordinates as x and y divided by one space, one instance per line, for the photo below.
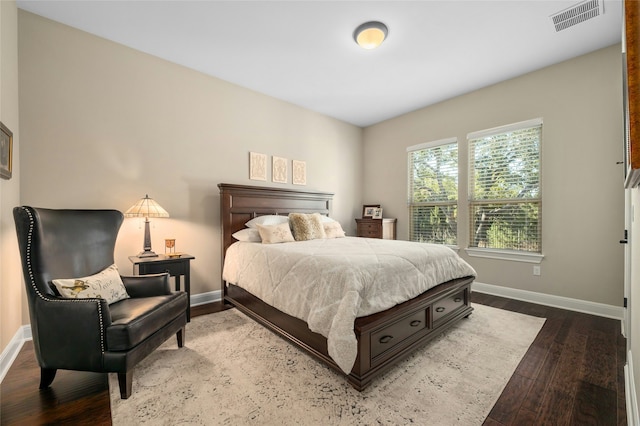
306 226
333 230
271 234
247 234
269 219
103 285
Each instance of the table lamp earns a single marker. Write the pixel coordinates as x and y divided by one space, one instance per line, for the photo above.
146 208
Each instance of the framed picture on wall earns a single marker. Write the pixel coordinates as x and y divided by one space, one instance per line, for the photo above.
368 210
299 169
279 172
6 152
257 166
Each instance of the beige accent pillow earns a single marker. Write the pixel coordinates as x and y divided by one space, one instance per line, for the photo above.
333 230
272 234
106 284
306 226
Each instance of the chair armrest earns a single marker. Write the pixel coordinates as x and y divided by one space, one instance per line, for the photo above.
147 285
70 333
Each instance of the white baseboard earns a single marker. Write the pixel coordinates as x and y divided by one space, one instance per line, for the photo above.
584 306
630 392
203 298
10 353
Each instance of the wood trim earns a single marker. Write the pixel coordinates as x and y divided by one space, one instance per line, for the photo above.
632 53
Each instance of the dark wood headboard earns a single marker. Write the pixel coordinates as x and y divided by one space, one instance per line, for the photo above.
240 203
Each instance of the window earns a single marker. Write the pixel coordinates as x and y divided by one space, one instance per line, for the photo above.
433 192
504 187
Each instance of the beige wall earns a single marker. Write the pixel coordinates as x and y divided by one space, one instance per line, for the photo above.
583 208
103 125
11 316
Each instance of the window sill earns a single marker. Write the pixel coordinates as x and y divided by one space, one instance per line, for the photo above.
505 255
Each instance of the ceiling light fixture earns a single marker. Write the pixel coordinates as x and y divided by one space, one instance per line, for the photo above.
370 34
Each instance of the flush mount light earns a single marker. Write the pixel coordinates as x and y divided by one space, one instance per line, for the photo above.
370 34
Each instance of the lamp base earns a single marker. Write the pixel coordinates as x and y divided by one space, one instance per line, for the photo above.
147 253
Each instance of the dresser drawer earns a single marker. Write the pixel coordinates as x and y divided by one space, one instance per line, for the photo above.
389 336
173 268
448 305
369 233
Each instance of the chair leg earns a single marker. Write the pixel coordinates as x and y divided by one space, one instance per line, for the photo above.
46 377
181 336
124 382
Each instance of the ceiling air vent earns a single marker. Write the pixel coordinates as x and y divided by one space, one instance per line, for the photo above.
579 13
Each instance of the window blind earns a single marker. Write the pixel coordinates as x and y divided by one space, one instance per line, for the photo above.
433 192
504 187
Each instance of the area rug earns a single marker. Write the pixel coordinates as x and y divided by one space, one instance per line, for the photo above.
232 371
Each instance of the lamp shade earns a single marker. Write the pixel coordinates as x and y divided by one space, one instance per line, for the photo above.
370 34
146 207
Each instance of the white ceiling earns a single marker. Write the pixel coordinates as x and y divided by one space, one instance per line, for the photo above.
303 51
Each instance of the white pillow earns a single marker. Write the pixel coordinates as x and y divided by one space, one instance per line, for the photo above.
326 219
247 234
106 284
272 234
333 230
269 219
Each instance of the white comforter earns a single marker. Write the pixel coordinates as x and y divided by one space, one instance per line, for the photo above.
330 282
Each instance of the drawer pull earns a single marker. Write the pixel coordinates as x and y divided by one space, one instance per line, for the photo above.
457 299
385 339
415 323
440 309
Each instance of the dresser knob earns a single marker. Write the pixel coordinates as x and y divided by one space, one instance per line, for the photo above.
440 309
415 323
385 339
457 299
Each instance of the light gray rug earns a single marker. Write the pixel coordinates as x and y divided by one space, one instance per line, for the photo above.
233 371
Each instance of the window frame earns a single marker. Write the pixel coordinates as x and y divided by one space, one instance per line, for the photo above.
495 253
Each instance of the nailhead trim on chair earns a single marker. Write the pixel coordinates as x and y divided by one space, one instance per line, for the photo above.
47 299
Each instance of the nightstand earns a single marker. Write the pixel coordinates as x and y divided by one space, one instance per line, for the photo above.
175 266
384 228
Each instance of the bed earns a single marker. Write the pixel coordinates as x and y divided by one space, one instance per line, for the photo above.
382 338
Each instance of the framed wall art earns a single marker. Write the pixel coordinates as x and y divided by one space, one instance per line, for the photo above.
6 152
257 166
279 172
299 172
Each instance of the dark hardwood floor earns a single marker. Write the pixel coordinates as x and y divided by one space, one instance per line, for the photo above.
571 375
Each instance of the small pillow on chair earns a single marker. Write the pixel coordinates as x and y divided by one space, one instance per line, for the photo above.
106 284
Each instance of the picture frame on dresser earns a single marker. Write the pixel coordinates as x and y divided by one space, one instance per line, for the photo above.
377 213
368 210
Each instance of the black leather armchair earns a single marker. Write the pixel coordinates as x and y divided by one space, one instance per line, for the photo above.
89 334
